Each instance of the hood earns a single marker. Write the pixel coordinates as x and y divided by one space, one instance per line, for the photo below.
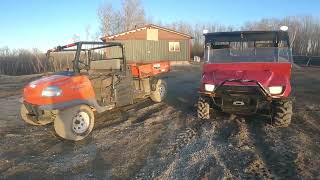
268 74
32 91
53 80
73 88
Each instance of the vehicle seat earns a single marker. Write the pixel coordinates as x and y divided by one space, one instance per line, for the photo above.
103 69
99 65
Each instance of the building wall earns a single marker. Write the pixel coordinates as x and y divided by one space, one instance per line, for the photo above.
150 51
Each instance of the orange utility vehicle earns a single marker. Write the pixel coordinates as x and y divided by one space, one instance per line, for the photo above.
100 81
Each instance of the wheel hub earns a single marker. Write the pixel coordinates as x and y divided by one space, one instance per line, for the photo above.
80 122
162 91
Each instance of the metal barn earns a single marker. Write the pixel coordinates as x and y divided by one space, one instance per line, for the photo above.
152 43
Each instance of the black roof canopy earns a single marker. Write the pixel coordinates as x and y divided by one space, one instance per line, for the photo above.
238 36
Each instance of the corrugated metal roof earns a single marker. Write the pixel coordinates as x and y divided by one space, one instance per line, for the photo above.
143 28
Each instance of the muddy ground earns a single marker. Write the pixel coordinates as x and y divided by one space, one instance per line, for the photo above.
166 140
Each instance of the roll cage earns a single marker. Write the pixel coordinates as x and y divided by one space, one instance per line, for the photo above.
77 47
237 42
245 36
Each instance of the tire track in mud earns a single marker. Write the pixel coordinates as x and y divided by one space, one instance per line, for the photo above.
120 119
186 145
267 152
192 153
265 158
232 146
224 141
26 156
209 149
57 157
41 150
137 137
294 151
146 115
56 151
172 143
118 116
156 141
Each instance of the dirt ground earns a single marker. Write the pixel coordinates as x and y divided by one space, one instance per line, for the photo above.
166 140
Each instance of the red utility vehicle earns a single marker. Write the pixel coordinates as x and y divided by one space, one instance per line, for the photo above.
99 81
247 72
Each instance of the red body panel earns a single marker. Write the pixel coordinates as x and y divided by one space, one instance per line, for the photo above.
267 74
73 88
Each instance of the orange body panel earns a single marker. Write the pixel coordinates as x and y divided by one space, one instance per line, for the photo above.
73 88
149 69
79 87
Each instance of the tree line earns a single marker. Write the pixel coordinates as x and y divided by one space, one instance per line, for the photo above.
304 32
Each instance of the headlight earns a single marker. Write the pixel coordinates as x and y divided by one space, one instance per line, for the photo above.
209 87
275 89
51 91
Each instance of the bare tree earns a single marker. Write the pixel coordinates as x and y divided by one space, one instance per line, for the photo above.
304 32
87 29
75 37
109 19
113 21
132 13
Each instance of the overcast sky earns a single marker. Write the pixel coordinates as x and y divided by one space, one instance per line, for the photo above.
44 24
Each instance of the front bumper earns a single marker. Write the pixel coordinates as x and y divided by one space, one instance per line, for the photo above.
263 90
35 114
57 106
240 99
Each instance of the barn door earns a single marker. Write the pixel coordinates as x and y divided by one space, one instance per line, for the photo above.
152 41
153 52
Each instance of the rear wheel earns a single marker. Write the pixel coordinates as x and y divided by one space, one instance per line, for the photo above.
203 110
30 120
282 113
161 91
74 123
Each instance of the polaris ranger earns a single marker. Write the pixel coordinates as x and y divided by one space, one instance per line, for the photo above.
247 72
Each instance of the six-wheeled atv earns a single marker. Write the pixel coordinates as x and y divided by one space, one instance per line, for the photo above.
100 80
247 72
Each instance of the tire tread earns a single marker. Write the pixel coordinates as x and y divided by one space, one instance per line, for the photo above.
282 113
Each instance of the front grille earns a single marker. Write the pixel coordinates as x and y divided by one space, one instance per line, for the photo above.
238 99
239 90
245 104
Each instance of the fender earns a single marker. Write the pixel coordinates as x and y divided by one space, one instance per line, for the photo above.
154 81
91 102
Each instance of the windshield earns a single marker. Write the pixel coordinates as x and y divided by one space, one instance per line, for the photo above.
247 46
261 54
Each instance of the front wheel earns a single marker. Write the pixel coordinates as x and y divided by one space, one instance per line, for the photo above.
282 113
160 92
203 110
33 121
74 123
